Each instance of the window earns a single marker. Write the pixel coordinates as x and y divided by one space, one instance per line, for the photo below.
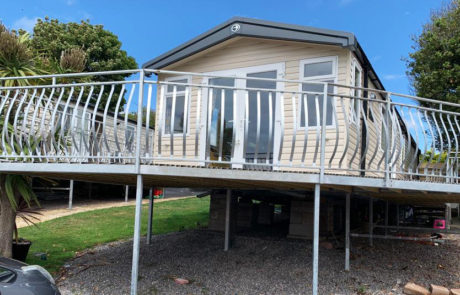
313 103
179 107
6 275
356 82
315 72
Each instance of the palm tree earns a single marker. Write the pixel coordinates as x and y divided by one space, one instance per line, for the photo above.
16 59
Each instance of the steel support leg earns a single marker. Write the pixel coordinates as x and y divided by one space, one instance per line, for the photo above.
227 220
70 194
386 218
126 192
316 239
371 221
149 227
137 235
347 232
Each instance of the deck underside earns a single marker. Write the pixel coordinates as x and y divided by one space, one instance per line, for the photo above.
399 191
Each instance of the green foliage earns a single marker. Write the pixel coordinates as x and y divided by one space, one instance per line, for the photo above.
102 48
435 157
16 58
434 66
133 116
63 237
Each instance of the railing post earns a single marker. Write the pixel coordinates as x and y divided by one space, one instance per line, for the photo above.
139 120
387 141
323 134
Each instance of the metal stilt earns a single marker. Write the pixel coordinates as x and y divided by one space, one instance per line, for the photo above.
126 192
347 232
316 239
137 235
70 194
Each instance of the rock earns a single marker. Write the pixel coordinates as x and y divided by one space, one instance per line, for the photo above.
326 245
455 291
439 290
181 281
414 289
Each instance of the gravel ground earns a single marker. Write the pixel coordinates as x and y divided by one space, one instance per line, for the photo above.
260 266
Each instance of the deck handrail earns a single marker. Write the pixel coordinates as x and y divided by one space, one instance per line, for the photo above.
324 128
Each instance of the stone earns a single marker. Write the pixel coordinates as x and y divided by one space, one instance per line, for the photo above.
455 291
414 289
326 245
439 290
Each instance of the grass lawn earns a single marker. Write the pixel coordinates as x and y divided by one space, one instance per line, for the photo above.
62 237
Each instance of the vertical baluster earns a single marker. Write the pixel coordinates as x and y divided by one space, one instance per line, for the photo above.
270 127
161 117
305 111
383 132
456 143
347 127
377 128
5 136
35 130
256 150
104 120
73 120
433 143
24 124
337 131
357 115
294 129
64 117
246 124
457 132
444 166
424 137
185 122
148 151
417 140
221 123
197 122
318 130
281 110
366 145
54 126
208 137
171 127
440 138
94 132
235 125
17 134
115 119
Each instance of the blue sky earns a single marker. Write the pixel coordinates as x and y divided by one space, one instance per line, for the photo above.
149 28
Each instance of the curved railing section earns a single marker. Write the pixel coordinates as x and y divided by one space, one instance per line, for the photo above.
158 117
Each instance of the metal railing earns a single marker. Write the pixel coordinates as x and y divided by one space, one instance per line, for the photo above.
234 122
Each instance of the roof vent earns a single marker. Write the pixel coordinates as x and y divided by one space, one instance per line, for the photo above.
235 28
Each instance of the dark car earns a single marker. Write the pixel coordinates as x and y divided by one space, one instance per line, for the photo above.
17 278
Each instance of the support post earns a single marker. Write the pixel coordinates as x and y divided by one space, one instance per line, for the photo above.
227 219
126 192
448 216
70 194
347 232
137 235
371 221
386 218
316 239
149 227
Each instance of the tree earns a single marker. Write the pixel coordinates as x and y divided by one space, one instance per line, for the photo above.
102 49
133 116
434 66
16 59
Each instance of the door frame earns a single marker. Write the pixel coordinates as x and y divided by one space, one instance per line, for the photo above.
240 75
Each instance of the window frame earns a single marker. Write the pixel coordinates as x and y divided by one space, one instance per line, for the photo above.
163 112
316 79
355 64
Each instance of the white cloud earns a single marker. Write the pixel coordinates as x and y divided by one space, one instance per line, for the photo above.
393 76
25 23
